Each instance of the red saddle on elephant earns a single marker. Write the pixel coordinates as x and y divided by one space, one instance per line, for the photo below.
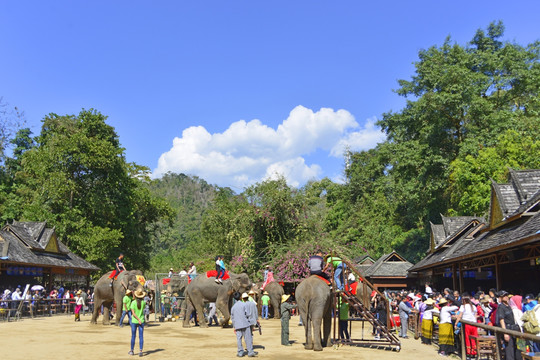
115 274
323 279
213 273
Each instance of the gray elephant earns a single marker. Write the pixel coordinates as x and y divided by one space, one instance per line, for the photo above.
314 299
202 288
105 294
275 291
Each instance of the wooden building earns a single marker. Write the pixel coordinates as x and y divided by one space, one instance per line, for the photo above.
31 252
389 272
502 252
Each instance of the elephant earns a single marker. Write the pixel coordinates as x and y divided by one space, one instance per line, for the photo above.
203 288
275 291
105 295
314 299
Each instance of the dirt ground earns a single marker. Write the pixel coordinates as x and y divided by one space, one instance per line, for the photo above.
60 337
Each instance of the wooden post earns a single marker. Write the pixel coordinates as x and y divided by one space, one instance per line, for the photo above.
460 278
454 276
497 277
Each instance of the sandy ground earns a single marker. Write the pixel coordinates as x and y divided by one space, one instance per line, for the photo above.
59 337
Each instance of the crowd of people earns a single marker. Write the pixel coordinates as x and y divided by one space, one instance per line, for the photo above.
445 311
59 299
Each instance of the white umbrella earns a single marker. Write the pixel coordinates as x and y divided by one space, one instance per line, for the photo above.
37 288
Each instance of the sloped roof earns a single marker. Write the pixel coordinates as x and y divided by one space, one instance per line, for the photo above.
389 265
438 234
483 243
27 244
522 187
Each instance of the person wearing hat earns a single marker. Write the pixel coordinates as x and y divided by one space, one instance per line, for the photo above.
171 272
266 270
446 330
285 308
126 307
242 325
265 300
427 321
251 296
137 320
79 303
505 319
251 309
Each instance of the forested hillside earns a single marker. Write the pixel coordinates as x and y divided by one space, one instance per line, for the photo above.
472 111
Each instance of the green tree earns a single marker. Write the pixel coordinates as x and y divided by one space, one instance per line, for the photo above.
470 185
77 179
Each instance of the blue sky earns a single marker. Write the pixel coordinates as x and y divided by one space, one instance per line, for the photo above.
233 91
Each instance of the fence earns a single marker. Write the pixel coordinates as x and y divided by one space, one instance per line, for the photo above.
40 307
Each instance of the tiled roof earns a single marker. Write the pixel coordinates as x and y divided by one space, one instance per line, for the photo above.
470 247
383 267
20 244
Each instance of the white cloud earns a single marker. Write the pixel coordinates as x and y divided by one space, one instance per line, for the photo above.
364 139
248 152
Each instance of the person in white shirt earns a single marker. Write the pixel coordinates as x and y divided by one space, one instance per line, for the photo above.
468 312
446 333
427 321
192 272
428 291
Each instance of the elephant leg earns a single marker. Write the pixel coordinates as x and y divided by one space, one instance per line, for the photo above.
309 336
327 329
200 314
275 305
106 315
317 346
189 310
95 312
224 308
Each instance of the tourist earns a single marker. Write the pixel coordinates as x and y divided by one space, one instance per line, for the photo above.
316 265
529 302
147 301
404 309
286 308
469 312
126 307
265 274
446 333
339 268
137 320
241 325
427 321
192 272
212 314
265 300
252 296
119 267
343 322
171 272
428 291
269 277
381 313
220 268
183 272
79 303
251 311
505 319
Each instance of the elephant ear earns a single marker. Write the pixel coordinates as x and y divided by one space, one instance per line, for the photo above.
236 285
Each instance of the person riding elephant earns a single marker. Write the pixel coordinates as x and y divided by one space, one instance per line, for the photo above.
105 295
204 288
314 300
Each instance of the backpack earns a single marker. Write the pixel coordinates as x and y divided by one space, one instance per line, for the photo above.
530 322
